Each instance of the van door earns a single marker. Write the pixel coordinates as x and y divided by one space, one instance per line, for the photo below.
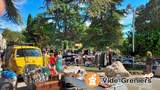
7 55
12 61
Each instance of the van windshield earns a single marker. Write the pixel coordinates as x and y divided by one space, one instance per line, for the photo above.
28 52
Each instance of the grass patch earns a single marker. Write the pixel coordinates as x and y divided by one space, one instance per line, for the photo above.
92 69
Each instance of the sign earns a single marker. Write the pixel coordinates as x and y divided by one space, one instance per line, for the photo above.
92 79
79 45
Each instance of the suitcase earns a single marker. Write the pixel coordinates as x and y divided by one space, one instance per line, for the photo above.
48 85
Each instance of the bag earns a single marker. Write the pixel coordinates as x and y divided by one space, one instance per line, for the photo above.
8 74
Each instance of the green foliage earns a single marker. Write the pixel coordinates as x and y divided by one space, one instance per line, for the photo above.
146 41
29 22
67 25
35 31
126 47
105 30
66 19
99 7
147 30
12 36
149 16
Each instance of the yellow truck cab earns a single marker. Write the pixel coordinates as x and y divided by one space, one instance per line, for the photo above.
18 56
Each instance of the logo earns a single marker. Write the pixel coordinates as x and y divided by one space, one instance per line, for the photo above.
92 79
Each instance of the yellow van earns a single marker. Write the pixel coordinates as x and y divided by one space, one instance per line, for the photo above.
18 56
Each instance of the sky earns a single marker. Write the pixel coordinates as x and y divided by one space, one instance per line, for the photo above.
127 20
32 7
25 8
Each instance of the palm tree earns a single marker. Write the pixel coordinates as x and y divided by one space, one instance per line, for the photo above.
11 12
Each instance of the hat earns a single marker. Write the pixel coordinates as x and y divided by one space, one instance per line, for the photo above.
149 53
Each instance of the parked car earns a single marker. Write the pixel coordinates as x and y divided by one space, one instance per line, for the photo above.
116 58
126 60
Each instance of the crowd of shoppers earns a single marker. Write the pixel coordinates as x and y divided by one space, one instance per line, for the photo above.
53 60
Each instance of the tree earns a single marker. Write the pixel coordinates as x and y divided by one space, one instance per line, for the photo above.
35 31
70 23
147 29
146 41
93 7
12 36
63 22
65 17
99 7
105 30
29 22
148 17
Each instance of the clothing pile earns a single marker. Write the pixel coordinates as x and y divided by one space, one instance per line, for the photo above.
75 71
38 75
115 69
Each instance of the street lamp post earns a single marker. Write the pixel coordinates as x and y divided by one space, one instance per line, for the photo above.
133 33
133 10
